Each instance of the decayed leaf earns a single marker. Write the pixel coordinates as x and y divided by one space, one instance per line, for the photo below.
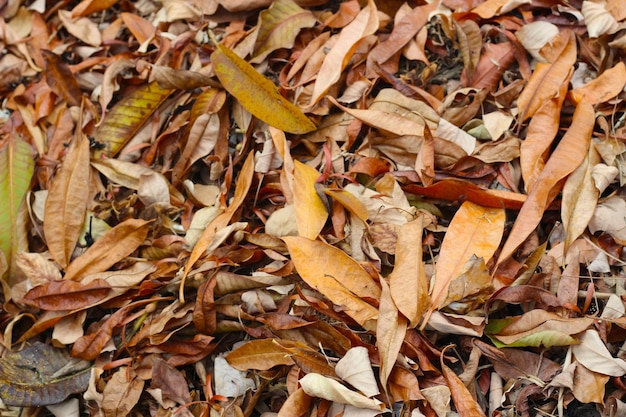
337 276
127 117
546 80
317 385
278 27
355 368
407 282
568 155
311 213
474 231
60 79
257 94
66 204
41 375
16 169
365 23
114 246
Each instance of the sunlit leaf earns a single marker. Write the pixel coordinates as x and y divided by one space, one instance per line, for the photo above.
568 155
337 276
257 94
311 213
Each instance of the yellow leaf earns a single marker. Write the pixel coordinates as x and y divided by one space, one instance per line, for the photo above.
258 94
127 117
336 275
608 84
474 231
311 213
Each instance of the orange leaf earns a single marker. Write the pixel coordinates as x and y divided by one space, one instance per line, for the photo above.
141 29
311 213
66 204
474 231
86 7
262 354
111 248
464 403
546 80
408 283
542 130
568 155
609 84
257 94
336 275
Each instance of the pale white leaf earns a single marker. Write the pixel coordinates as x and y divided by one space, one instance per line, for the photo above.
316 385
610 217
603 175
448 131
614 308
594 355
229 381
598 19
282 222
356 369
536 35
153 189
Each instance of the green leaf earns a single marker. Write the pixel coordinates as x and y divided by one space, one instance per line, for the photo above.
16 169
257 94
127 116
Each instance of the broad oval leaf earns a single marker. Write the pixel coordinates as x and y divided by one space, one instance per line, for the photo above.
41 375
258 94
336 275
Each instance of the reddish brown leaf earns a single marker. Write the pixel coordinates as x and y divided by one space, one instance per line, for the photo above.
60 79
67 295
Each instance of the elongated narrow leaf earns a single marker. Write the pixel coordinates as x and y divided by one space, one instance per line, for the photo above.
568 155
465 404
111 248
66 204
16 169
278 27
390 331
336 275
546 80
258 94
474 231
609 84
407 282
311 213
128 116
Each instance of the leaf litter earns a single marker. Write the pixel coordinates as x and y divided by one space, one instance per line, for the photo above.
312 207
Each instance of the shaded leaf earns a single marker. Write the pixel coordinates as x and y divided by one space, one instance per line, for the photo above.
464 403
41 375
60 79
67 295
257 94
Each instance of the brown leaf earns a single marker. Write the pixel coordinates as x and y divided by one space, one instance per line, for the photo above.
262 354
60 79
121 393
67 295
390 330
111 248
66 204
464 403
